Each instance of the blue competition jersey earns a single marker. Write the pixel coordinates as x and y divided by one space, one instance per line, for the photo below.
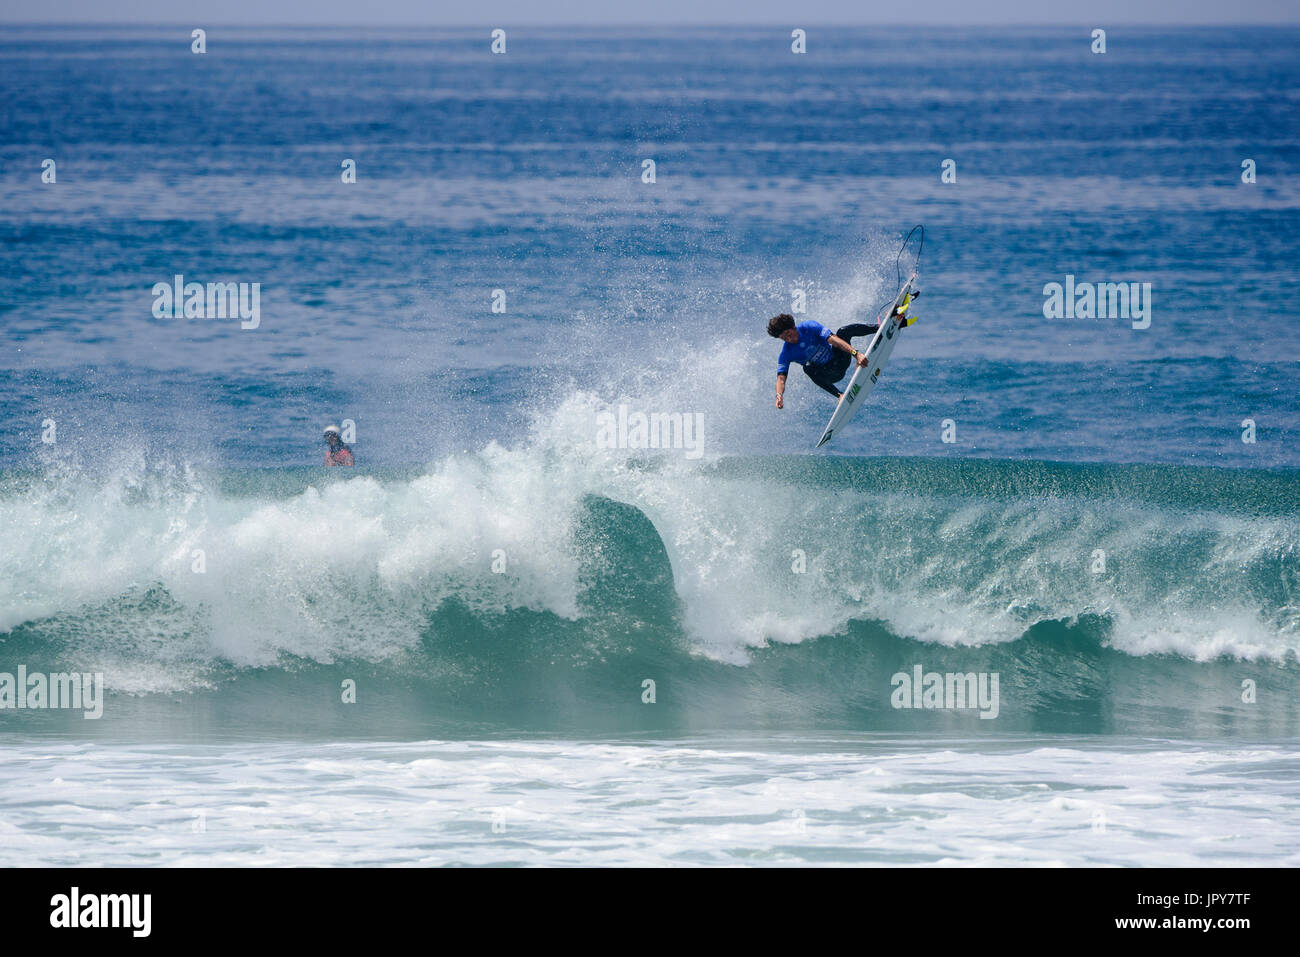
813 348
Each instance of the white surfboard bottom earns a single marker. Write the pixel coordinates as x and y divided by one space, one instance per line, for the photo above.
865 377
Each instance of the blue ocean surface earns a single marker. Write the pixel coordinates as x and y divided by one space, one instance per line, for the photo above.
563 646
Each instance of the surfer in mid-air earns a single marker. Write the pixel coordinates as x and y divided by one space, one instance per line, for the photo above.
824 355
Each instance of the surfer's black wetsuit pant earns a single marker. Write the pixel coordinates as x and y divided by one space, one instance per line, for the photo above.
826 374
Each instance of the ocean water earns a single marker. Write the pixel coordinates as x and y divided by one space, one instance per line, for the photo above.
566 653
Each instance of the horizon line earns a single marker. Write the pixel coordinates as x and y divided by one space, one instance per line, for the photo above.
562 24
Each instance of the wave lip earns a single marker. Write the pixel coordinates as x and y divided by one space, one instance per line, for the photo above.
720 558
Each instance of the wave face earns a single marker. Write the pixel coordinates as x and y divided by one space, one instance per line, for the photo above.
540 586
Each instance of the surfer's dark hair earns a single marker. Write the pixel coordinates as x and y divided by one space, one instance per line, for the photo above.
779 324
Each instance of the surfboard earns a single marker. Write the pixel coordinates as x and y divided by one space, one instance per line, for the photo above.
865 377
